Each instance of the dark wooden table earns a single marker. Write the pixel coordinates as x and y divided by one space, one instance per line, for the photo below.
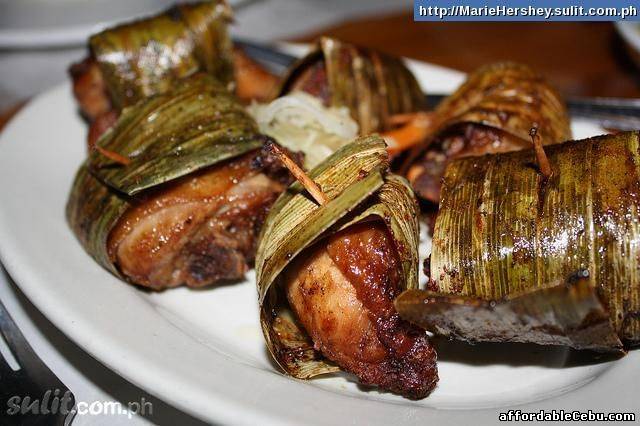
586 59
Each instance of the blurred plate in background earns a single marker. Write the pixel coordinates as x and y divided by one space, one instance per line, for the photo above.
39 39
58 23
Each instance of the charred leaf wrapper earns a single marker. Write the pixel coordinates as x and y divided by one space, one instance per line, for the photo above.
492 112
146 57
510 97
359 187
195 125
520 258
373 86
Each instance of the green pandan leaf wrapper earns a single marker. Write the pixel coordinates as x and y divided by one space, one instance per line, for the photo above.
373 86
359 187
145 57
517 257
195 125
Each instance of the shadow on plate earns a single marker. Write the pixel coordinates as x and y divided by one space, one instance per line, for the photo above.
206 288
516 354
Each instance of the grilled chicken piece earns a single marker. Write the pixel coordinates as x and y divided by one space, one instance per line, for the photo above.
89 88
200 229
342 292
253 82
314 81
466 140
101 124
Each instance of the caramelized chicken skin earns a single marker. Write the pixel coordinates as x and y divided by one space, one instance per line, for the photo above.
314 81
89 89
253 82
101 124
200 229
466 140
342 292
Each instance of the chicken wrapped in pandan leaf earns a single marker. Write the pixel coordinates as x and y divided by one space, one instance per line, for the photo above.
491 112
372 86
176 192
335 93
328 270
135 60
525 256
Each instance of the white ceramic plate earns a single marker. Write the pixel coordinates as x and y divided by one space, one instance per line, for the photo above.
58 23
203 350
63 23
